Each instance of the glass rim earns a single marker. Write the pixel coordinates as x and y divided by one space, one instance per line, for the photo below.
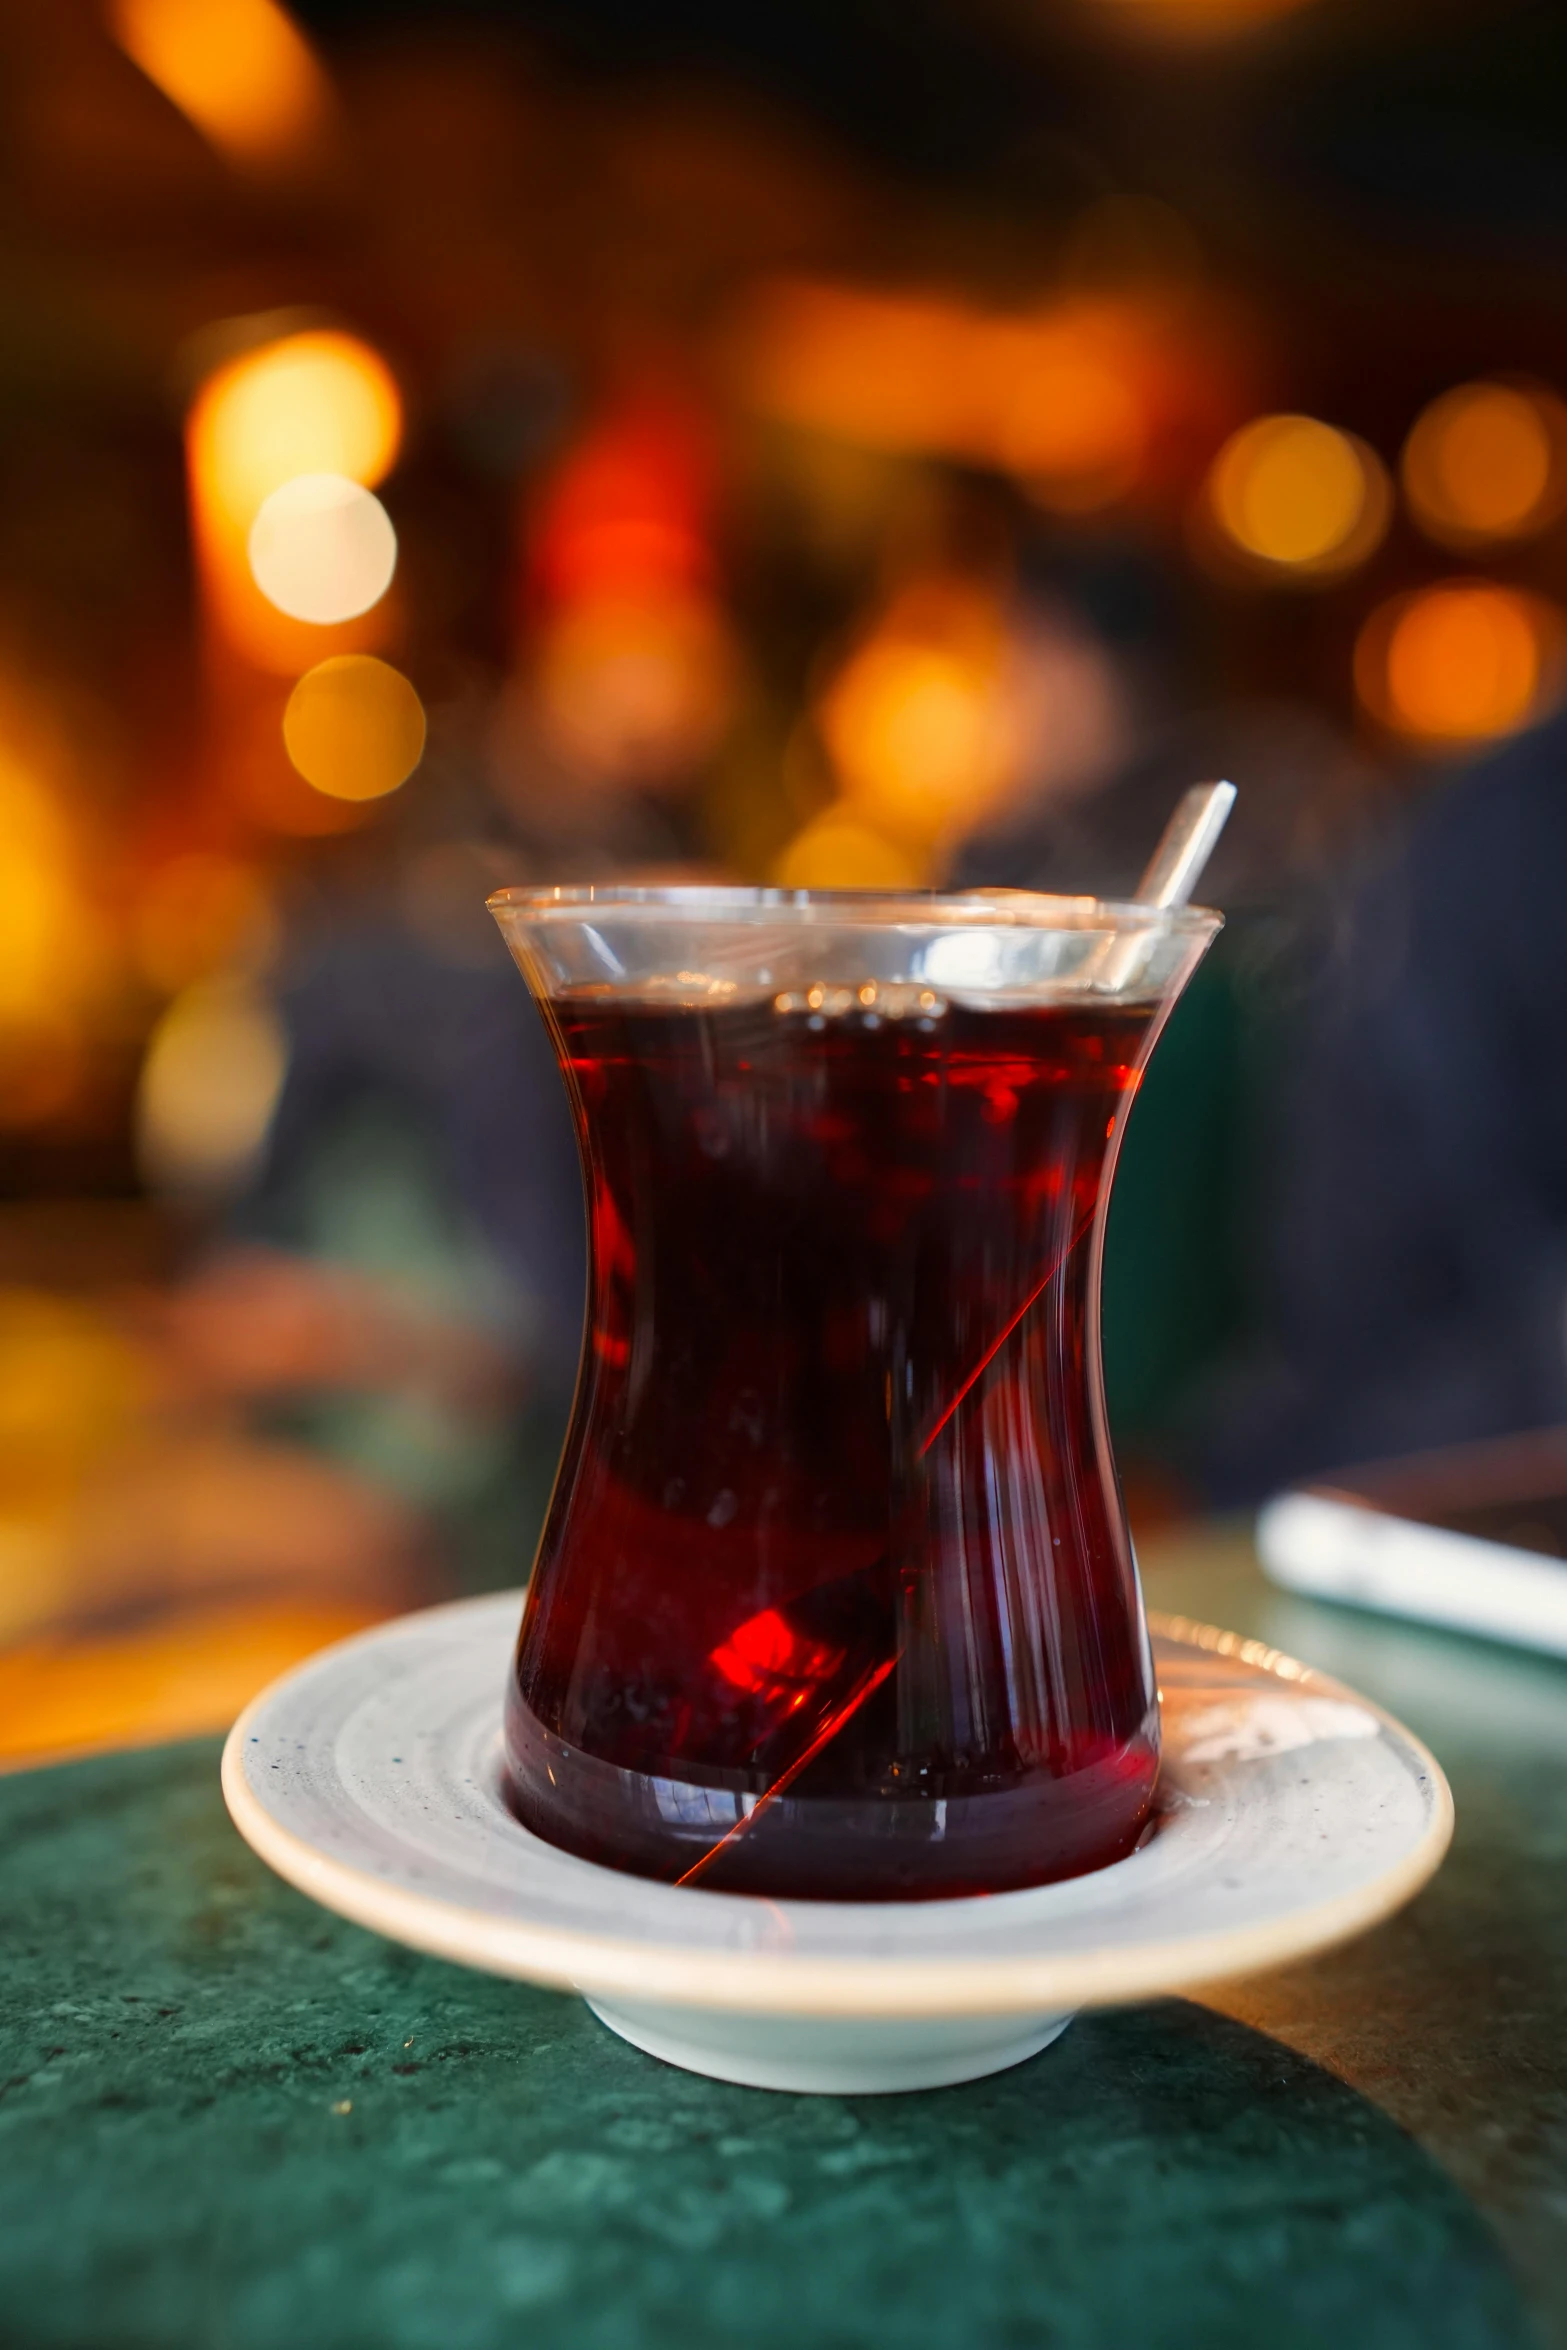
1023 909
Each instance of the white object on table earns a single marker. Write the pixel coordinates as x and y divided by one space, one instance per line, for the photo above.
1337 1548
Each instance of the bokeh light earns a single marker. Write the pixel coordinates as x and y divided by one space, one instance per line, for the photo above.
636 689
910 729
322 548
920 723
240 70
633 664
1072 399
886 371
1460 661
1075 428
209 1084
1298 498
354 727
47 953
317 402
1487 461
71 1386
627 510
839 850
39 912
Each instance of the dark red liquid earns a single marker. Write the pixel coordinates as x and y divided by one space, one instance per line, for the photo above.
836 1597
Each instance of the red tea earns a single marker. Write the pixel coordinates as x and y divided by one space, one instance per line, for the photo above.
836 1597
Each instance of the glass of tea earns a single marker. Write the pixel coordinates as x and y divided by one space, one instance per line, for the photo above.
836 1598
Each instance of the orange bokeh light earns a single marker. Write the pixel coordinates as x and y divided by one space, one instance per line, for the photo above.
1297 498
39 902
240 70
1487 461
1071 399
839 850
893 373
921 721
1075 427
354 727
1459 662
318 402
636 689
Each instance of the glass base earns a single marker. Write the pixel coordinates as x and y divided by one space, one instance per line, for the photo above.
804 1847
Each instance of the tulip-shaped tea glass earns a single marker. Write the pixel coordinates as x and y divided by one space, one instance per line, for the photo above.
836 1597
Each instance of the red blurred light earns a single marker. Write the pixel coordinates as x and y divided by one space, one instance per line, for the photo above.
629 509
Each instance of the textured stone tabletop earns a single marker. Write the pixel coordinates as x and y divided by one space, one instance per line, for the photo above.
227 2118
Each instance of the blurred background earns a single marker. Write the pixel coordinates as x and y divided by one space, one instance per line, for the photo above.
451 446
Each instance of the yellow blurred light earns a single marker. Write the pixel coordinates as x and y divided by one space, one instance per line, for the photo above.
209 1085
192 1668
354 727
71 1386
919 723
322 548
838 850
53 949
317 402
1460 661
197 911
636 690
238 69
910 724
894 373
1065 398
1297 496
1487 461
39 911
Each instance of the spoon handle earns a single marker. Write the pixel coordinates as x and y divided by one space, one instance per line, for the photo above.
1186 844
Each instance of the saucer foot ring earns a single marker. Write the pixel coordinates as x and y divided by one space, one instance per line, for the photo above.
829 2056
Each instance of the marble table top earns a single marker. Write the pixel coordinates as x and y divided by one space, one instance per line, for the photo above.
227 2118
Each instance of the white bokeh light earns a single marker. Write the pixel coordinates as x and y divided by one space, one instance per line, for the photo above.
322 548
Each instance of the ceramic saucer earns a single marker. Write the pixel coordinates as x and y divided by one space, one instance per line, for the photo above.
1292 1814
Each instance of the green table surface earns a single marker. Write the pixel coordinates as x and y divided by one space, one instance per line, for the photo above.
229 2119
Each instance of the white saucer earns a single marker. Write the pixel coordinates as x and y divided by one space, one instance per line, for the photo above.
1292 1815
